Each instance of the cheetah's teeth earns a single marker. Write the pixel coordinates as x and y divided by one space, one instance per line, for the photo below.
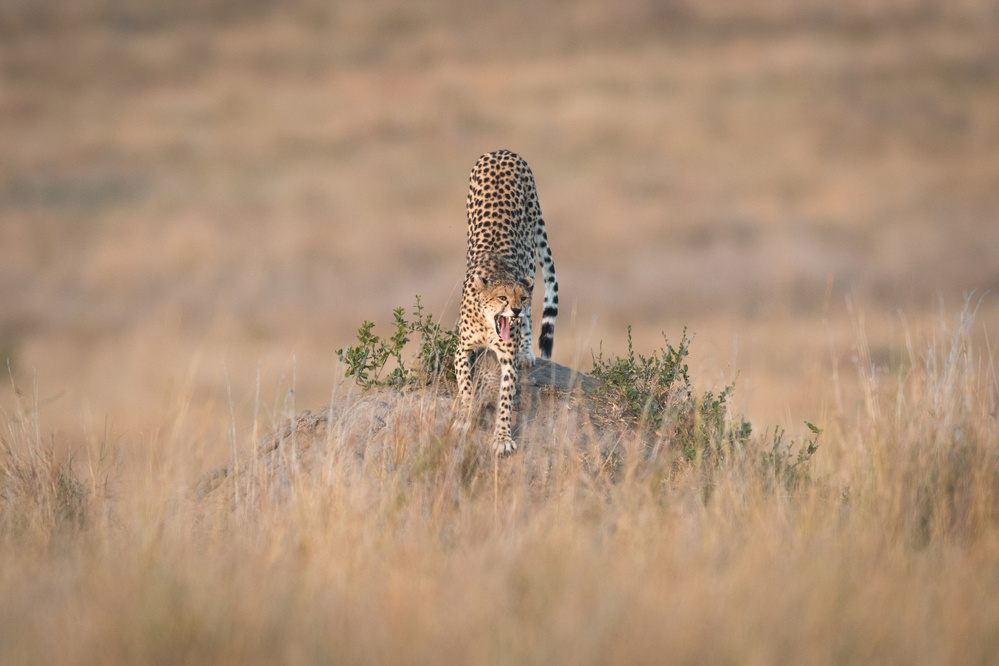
503 327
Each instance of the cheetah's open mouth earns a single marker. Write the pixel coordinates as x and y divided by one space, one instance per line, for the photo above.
503 327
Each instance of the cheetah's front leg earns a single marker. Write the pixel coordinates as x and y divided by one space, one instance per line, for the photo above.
502 438
463 373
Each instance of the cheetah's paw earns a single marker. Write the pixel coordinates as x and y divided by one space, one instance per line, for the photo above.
504 445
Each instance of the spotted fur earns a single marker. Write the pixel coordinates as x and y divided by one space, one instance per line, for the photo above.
506 237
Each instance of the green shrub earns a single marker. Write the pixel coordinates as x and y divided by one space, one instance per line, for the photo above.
655 391
367 359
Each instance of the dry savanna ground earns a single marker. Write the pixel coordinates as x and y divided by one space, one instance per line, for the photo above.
201 201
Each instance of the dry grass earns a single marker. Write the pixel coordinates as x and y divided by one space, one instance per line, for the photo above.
403 541
201 201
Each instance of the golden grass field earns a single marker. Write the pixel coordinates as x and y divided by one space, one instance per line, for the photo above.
201 201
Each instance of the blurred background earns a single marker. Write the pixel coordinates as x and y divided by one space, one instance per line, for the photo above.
193 190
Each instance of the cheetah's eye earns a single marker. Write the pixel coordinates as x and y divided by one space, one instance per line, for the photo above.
503 298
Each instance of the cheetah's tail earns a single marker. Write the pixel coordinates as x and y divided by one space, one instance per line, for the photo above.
546 339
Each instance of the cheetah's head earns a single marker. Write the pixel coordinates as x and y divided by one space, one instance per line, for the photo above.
503 300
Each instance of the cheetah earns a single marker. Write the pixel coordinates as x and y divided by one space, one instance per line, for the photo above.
506 236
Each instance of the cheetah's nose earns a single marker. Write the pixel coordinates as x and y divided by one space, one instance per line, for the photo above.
516 312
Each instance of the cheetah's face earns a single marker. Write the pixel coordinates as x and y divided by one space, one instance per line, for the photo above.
502 301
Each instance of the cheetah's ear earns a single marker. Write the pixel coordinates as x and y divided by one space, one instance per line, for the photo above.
479 282
528 284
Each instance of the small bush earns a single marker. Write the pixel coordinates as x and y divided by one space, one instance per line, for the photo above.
650 389
367 360
656 393
782 465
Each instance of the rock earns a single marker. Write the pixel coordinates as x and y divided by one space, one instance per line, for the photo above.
543 375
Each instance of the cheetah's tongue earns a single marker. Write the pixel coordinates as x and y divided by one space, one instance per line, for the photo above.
504 328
